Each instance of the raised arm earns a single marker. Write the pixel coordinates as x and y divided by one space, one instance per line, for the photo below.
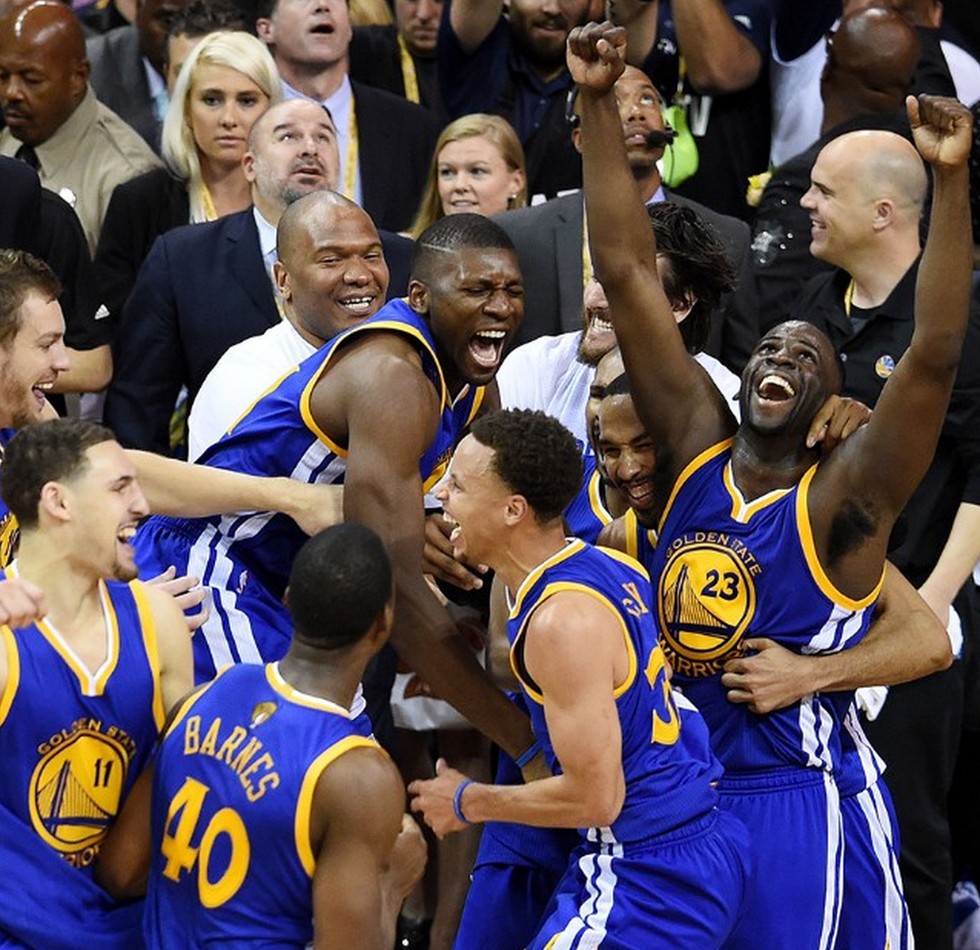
185 490
383 490
905 642
675 399
473 20
881 466
720 57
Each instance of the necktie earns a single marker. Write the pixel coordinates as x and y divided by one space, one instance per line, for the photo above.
27 155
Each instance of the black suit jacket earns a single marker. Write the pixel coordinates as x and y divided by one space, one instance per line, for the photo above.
202 289
38 221
396 139
139 211
119 80
548 238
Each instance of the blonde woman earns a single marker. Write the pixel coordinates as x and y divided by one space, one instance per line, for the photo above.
478 166
225 84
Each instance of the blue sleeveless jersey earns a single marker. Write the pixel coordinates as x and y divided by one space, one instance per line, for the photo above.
71 745
246 558
72 742
8 523
586 514
667 763
232 795
728 569
640 542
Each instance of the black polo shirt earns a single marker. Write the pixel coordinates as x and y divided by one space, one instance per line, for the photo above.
869 354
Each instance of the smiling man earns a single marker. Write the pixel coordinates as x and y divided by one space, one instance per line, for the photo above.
204 288
331 274
85 690
431 362
754 511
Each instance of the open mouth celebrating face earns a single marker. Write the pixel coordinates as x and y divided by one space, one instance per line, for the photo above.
486 347
773 388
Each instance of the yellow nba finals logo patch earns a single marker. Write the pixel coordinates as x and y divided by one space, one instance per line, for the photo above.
705 599
262 713
75 791
9 536
884 366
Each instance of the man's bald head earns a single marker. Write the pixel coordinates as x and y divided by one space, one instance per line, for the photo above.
43 69
317 213
331 270
866 194
884 166
871 60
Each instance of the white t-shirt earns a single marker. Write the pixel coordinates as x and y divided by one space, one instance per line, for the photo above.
243 374
544 374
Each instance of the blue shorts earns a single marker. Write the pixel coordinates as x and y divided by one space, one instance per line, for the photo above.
795 821
682 891
514 876
247 623
874 913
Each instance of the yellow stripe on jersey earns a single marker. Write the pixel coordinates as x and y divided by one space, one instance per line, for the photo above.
689 469
13 672
304 804
743 510
557 588
279 685
148 627
573 547
403 329
813 561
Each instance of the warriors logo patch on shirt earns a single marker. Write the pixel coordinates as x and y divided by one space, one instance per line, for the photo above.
706 599
884 366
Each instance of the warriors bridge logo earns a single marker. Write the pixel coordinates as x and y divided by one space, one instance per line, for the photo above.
706 599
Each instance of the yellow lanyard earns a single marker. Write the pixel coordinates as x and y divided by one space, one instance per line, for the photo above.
587 272
848 297
207 204
350 172
409 77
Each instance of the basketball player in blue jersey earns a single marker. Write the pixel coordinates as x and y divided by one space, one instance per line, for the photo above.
657 864
32 357
83 692
759 535
431 361
268 762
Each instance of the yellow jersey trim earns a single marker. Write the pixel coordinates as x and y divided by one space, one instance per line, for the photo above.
304 804
573 547
478 396
265 392
184 706
557 588
595 499
810 553
148 627
90 684
13 672
743 510
280 686
689 469
304 400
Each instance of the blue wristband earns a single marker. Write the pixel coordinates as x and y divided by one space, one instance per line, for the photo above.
529 753
457 801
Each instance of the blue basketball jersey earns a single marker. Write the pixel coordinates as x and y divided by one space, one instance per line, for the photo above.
8 523
728 569
246 558
232 795
667 763
586 514
640 542
73 741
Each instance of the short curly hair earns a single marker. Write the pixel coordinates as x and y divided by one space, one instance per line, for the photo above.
535 456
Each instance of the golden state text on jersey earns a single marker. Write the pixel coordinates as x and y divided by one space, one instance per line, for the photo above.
726 570
73 740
